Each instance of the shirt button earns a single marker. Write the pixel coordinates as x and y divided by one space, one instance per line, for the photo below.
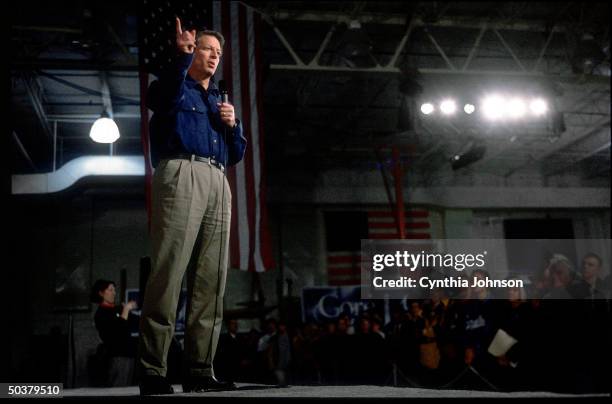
193 108
214 140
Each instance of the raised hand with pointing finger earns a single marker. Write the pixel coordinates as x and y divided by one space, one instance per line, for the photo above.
185 40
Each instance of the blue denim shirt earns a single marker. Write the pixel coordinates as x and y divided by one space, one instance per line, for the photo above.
186 118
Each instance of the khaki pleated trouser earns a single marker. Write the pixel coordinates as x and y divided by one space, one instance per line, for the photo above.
190 224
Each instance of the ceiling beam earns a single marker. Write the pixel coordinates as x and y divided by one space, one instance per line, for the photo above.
89 117
33 91
585 148
570 78
46 28
23 151
106 95
569 140
69 64
387 19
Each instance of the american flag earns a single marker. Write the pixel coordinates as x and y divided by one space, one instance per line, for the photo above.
344 267
240 67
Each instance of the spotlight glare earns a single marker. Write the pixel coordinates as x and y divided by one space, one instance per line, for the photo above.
469 108
516 108
538 107
427 108
493 107
448 107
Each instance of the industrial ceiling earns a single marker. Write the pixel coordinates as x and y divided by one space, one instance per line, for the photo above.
343 82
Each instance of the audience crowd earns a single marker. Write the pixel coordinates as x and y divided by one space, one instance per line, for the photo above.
559 323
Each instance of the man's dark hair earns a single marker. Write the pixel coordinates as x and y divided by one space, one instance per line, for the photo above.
593 255
209 32
99 286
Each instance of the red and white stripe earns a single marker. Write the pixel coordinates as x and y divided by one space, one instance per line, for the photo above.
344 267
250 248
382 224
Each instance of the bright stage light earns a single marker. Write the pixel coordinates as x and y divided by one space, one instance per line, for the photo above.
493 107
427 108
538 107
469 108
516 108
448 107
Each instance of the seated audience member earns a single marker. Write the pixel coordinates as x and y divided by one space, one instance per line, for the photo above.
112 324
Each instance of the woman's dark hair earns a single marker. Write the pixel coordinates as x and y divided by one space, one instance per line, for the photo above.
99 286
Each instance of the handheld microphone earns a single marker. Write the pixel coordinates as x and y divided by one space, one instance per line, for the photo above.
223 91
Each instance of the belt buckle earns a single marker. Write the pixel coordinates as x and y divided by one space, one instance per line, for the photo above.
218 165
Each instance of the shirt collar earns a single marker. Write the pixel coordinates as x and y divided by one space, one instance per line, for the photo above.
212 85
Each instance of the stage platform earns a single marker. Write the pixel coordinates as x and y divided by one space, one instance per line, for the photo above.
263 392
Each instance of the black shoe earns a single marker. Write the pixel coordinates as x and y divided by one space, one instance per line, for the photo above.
198 384
154 385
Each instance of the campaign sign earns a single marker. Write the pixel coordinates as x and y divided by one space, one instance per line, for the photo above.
323 304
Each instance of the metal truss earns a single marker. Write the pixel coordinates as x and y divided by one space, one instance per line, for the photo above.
494 25
573 138
35 93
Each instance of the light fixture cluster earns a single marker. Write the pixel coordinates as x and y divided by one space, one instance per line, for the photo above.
492 107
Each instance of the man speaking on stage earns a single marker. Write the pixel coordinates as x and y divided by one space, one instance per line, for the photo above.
195 136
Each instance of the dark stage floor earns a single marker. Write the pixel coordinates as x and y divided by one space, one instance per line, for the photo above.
324 392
